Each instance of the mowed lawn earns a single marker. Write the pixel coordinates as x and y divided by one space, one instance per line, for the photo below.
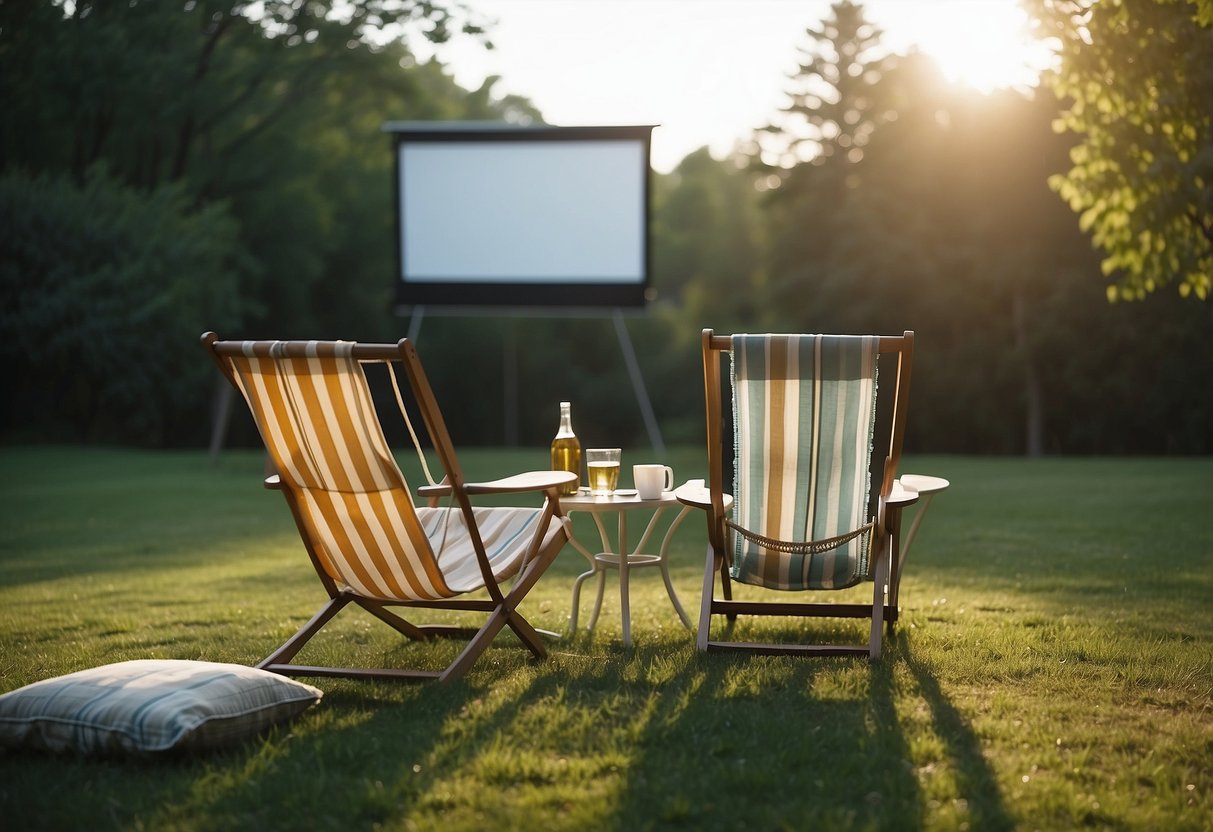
1053 667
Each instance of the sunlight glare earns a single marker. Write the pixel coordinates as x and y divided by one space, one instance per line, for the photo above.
709 71
984 45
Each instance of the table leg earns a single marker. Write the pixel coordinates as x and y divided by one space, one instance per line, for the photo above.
623 557
577 599
623 579
596 568
665 569
598 597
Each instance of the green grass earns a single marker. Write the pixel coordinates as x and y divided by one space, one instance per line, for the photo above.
1053 668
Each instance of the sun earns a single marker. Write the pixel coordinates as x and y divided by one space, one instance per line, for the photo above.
983 44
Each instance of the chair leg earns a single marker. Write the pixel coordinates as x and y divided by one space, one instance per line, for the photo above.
527 634
499 616
392 620
878 601
475 647
897 557
705 603
726 588
506 613
896 561
295 643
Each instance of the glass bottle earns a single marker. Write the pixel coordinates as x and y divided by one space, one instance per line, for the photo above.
566 450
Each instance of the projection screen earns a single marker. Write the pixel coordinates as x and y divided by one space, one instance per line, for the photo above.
492 215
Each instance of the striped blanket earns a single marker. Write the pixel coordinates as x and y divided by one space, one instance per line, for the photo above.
804 410
319 424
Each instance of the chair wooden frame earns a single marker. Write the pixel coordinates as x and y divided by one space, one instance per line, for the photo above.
500 608
886 552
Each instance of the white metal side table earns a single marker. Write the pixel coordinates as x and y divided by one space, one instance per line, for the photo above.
622 503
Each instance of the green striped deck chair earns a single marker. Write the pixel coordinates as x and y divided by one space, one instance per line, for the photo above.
815 502
371 545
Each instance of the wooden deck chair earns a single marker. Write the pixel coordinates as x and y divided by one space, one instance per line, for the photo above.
369 543
816 504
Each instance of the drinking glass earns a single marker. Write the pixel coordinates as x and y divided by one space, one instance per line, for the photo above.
602 466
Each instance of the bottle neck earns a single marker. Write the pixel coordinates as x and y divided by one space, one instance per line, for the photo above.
566 421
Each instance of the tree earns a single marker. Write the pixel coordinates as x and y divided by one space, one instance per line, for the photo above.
1137 79
813 156
254 131
835 95
974 250
103 292
165 90
708 242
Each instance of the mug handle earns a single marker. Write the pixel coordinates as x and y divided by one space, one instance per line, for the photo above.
669 479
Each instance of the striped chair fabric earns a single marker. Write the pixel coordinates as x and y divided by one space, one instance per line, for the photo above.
318 420
804 411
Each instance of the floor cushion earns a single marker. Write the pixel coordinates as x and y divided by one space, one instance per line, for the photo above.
150 706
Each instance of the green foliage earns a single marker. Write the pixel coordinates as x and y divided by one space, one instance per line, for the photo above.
880 200
103 292
259 127
943 222
169 91
711 235
1136 79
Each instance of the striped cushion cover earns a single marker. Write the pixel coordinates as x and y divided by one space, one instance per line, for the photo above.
804 412
505 532
319 423
150 706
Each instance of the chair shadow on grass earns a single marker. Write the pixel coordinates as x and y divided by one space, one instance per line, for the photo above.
702 741
976 782
800 743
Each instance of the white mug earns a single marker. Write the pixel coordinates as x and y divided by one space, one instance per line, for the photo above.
652 480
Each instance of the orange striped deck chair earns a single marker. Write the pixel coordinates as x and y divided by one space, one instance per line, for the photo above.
370 544
815 503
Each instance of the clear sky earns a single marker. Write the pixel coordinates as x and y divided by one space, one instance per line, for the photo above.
709 71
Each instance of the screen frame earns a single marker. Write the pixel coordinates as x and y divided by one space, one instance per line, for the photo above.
520 292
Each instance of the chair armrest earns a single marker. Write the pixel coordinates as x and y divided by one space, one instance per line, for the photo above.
696 494
273 481
901 495
923 484
529 481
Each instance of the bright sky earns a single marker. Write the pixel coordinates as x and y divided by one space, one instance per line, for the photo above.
710 71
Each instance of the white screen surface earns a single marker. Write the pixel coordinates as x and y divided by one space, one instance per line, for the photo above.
548 211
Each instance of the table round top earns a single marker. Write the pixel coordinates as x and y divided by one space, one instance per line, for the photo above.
624 499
